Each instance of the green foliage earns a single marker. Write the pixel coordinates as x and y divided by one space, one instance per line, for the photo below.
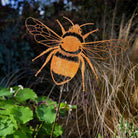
66 107
46 113
99 136
57 131
24 94
19 106
8 125
128 129
5 92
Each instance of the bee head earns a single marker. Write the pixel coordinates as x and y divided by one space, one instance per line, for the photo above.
76 29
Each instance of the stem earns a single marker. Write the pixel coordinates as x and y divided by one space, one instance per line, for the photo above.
38 129
61 90
16 92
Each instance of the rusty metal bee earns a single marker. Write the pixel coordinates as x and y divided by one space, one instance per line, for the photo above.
70 49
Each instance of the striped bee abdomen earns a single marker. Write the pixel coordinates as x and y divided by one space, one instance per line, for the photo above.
63 67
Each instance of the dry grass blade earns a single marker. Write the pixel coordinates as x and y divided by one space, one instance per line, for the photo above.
101 107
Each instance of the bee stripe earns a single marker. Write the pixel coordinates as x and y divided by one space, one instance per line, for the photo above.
60 78
75 52
69 58
74 34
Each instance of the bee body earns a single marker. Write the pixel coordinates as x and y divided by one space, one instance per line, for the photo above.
65 63
71 43
63 67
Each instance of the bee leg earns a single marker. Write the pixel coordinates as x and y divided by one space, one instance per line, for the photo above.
63 30
90 64
46 51
86 35
48 58
82 71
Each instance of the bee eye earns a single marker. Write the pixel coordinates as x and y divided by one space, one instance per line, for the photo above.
80 30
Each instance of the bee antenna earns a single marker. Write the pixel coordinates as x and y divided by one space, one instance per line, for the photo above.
68 20
86 24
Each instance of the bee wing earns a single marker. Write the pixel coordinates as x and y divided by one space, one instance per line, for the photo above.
42 34
105 49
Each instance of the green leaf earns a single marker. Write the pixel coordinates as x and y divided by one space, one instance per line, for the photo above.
66 106
22 132
46 100
46 113
8 125
63 113
40 99
57 131
26 129
99 136
25 94
22 114
51 102
63 105
74 106
5 92
136 133
5 107
17 134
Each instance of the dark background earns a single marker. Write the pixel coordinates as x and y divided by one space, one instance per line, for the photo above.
17 47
